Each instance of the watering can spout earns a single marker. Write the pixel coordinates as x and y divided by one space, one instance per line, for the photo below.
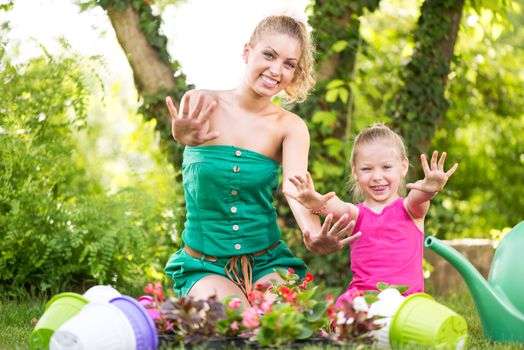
500 318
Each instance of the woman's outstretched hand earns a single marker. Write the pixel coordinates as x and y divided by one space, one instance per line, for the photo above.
435 177
190 127
305 192
331 239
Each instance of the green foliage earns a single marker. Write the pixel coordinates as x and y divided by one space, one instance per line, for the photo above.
282 325
58 227
483 132
420 104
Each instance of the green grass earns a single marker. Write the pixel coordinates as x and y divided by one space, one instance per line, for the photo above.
16 322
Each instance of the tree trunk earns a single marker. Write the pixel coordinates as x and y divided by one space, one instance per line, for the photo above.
150 73
419 107
152 70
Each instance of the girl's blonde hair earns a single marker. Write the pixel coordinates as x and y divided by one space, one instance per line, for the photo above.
304 80
377 132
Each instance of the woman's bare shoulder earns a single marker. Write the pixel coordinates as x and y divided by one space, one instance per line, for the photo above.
205 92
292 120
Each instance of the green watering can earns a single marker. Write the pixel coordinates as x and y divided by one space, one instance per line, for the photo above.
500 299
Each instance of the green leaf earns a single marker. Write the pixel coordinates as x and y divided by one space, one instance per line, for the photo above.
339 45
305 332
343 93
370 299
335 83
282 273
382 285
331 95
327 119
319 310
401 288
335 147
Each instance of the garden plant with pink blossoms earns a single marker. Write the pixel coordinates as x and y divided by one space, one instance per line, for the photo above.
278 314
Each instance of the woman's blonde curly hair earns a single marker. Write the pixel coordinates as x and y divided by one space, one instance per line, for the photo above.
304 80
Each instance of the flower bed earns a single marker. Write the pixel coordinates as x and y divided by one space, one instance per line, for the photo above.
278 314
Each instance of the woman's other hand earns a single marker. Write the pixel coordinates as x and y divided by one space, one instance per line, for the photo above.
331 239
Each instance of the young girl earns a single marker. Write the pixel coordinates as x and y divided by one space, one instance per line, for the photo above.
392 227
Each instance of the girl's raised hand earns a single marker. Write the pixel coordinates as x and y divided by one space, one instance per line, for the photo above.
305 192
435 177
190 126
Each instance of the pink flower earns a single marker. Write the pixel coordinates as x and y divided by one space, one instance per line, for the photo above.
349 295
158 291
234 303
255 297
250 318
290 271
234 326
154 313
149 289
266 305
146 300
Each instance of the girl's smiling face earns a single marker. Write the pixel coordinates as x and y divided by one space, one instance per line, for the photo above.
271 63
379 171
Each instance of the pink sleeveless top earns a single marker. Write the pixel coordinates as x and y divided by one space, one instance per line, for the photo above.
389 249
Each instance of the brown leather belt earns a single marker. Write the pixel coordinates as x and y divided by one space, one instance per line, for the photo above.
231 269
196 254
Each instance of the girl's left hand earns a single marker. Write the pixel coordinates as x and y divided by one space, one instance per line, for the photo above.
331 239
435 177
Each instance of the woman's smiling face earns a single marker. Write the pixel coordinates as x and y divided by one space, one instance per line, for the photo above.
271 63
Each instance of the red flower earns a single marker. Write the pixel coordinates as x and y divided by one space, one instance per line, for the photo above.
309 277
285 290
290 271
331 311
291 297
303 286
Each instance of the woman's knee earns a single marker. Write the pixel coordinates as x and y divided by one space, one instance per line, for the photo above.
217 285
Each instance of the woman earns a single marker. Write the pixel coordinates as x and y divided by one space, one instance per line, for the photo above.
236 141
